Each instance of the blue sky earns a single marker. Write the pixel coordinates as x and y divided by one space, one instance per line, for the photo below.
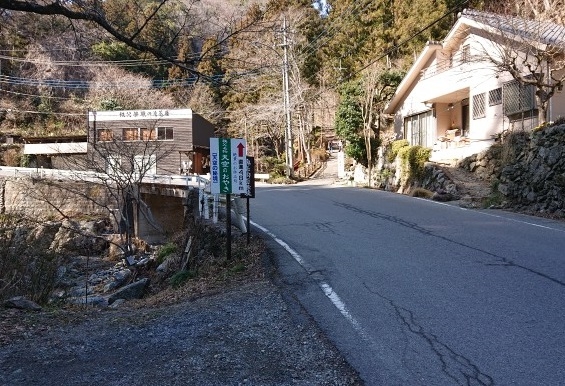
322 6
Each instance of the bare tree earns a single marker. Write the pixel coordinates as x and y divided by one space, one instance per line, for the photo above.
257 99
112 88
528 45
108 179
379 84
153 27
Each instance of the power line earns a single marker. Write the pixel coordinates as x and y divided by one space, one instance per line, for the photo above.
95 63
331 31
84 84
43 112
410 38
43 96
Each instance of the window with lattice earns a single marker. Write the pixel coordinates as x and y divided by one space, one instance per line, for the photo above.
517 98
466 54
495 97
479 106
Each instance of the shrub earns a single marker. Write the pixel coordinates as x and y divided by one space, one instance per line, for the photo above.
165 251
395 148
181 277
26 269
541 127
413 159
12 157
281 180
319 154
418 157
275 166
421 193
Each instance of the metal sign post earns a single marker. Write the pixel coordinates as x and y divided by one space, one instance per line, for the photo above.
228 226
228 173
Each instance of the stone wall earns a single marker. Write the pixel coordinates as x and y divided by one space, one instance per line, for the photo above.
48 200
486 165
388 176
535 179
436 180
40 200
528 167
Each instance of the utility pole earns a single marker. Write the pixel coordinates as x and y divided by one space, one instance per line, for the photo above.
286 96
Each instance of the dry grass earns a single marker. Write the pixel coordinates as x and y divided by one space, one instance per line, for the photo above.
26 267
214 274
421 193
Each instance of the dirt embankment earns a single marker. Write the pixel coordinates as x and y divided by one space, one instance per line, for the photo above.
242 333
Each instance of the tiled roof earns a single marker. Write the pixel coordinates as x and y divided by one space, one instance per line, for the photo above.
544 32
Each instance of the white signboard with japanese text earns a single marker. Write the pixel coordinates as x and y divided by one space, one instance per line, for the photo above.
124 115
228 166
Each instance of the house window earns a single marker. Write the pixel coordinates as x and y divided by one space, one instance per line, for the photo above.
130 134
113 165
517 98
104 134
495 97
466 54
479 106
138 133
417 128
147 134
145 164
164 133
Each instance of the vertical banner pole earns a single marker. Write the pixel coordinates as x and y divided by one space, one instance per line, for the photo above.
248 223
228 226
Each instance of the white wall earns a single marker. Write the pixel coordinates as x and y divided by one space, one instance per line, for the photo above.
463 80
56 148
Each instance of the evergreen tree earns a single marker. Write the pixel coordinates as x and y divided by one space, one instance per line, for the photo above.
349 121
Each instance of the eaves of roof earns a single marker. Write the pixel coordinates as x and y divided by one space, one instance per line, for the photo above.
412 75
547 34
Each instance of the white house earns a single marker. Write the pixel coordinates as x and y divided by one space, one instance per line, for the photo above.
456 101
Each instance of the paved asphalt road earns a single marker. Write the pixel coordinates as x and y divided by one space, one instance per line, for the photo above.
415 292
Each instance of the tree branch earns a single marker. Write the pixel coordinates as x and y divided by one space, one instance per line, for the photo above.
95 14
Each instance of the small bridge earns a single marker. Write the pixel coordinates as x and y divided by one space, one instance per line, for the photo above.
163 197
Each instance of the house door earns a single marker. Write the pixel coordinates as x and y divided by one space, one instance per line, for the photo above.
465 118
418 128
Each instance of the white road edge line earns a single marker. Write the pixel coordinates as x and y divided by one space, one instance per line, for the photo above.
325 287
496 216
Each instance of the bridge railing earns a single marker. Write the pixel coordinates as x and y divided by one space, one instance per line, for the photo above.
77 175
201 182
205 198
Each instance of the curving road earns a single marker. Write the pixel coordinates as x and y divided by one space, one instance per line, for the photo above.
415 292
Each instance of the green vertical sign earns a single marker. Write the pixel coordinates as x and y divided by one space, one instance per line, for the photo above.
224 153
228 166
